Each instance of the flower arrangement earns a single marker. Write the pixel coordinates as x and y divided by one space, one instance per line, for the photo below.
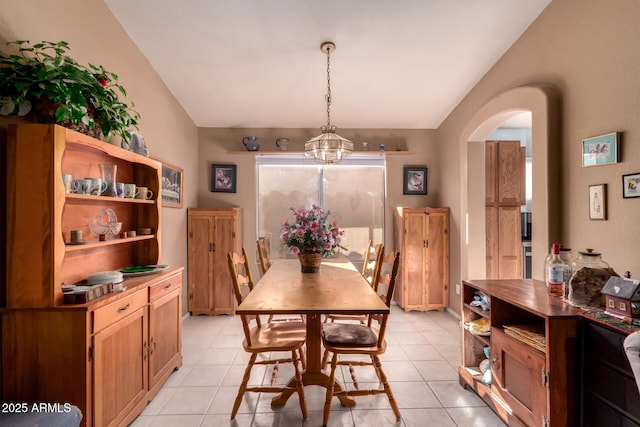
311 232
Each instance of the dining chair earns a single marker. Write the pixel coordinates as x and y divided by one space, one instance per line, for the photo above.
265 264
370 271
371 262
263 254
351 339
265 338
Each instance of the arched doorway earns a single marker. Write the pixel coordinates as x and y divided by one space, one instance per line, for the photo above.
542 102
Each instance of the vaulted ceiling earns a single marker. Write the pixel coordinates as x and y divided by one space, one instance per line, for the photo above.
257 63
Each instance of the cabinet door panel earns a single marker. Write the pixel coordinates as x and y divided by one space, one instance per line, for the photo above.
516 370
509 243
414 263
120 368
200 259
164 335
510 172
224 232
437 265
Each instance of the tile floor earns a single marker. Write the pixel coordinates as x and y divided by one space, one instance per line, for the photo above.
421 363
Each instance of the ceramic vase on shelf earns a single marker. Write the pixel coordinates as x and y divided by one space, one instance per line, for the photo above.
310 261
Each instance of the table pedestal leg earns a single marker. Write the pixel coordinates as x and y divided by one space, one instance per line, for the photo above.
313 374
308 378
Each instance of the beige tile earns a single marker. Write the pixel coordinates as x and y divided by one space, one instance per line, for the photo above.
378 418
189 400
422 352
436 370
218 356
222 402
177 420
475 417
205 375
336 418
433 417
452 395
216 420
153 407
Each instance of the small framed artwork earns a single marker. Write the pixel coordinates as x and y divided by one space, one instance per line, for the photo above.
601 150
172 182
223 178
631 185
598 201
415 180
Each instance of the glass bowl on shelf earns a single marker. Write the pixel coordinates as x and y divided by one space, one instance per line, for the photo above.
105 222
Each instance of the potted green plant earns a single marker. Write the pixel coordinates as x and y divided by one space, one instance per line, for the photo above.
44 80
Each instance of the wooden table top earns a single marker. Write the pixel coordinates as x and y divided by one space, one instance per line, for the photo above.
337 288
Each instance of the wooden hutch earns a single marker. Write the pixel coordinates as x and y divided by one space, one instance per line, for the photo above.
111 355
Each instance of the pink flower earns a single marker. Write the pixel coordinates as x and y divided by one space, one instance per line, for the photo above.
295 250
300 232
313 225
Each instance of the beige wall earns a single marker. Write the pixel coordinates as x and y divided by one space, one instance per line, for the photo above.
96 37
587 51
217 146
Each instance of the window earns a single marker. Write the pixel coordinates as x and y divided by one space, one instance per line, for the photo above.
353 191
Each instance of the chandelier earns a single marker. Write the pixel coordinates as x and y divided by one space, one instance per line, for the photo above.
328 147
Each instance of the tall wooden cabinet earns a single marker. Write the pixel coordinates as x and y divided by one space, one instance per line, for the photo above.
505 193
108 356
212 233
422 237
533 344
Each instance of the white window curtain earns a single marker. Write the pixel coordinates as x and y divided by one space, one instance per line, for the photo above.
353 191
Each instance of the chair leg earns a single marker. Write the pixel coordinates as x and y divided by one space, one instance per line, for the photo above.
387 388
303 358
299 385
243 386
325 359
330 386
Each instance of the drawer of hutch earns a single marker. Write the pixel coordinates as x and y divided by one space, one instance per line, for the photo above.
164 287
111 313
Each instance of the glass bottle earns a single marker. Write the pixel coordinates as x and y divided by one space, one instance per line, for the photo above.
567 257
555 272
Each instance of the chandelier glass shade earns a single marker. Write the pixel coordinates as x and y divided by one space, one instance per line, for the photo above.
328 147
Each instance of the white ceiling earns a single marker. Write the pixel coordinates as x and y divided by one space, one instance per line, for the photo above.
257 63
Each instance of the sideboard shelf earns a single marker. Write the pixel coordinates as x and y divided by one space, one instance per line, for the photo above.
98 244
102 199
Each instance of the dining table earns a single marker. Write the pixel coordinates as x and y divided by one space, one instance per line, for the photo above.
338 288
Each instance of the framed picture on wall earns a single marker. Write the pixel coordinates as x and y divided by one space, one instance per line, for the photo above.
223 178
414 180
598 201
631 185
601 150
171 186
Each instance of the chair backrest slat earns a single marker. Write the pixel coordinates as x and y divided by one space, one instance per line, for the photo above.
242 286
263 254
385 285
371 264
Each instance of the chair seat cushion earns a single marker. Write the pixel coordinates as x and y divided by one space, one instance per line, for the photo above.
348 335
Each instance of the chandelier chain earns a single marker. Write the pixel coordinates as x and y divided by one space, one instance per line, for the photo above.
328 96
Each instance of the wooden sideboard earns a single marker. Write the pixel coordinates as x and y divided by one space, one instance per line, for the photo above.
111 355
530 386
